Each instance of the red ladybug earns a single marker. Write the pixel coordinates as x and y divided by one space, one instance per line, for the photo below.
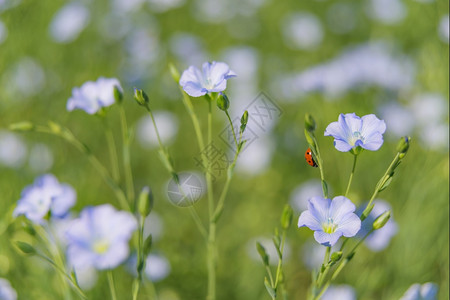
309 158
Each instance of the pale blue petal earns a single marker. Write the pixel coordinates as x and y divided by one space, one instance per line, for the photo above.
308 220
190 75
220 87
373 142
334 129
340 207
354 123
218 71
413 293
342 146
349 225
371 124
319 208
194 89
117 254
327 239
429 291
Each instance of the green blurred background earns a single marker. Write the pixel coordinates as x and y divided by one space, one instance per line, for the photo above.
401 47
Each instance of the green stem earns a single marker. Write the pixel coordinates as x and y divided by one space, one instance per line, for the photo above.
211 259
171 170
341 266
224 193
355 157
319 162
111 285
232 129
112 153
69 137
280 259
189 107
126 155
59 269
379 185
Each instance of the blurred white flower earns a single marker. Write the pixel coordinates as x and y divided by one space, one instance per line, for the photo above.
126 6
87 277
426 291
300 195
217 11
256 158
429 108
157 267
302 31
7 292
40 158
444 29
271 251
3 32
188 48
69 22
312 254
398 118
435 136
153 225
26 78
12 150
387 11
167 124
379 239
371 64
339 292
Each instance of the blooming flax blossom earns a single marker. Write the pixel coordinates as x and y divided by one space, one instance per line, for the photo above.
330 219
45 195
92 96
427 291
99 237
351 131
212 78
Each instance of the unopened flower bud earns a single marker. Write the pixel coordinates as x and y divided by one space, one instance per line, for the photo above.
381 220
141 97
244 120
310 123
25 247
262 253
403 144
222 102
286 217
145 202
336 256
21 126
174 72
148 245
118 94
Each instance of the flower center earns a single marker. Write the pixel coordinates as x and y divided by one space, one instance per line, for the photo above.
101 246
329 227
357 137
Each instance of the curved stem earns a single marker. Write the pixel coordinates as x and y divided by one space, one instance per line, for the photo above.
232 129
112 153
126 155
112 288
69 137
379 185
316 152
355 157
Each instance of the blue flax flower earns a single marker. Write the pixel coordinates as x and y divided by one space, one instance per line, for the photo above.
427 291
330 219
351 131
45 195
212 78
92 96
99 237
